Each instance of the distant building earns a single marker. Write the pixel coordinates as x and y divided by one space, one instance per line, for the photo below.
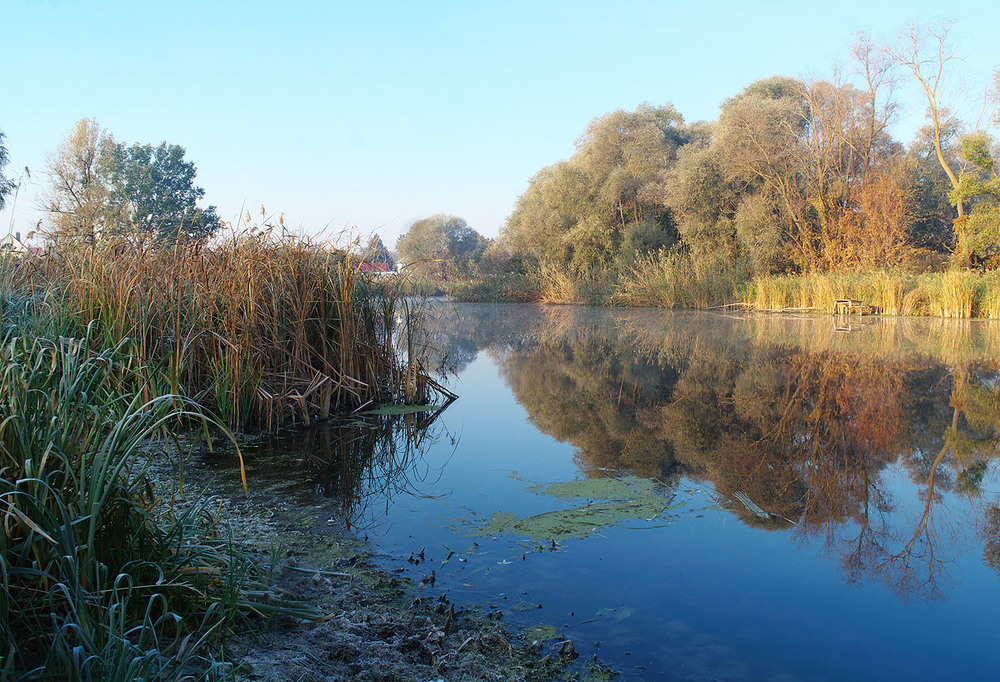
12 244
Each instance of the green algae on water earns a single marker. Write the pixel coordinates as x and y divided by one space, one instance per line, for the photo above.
609 502
539 634
601 488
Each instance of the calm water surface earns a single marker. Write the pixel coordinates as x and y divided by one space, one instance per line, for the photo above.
692 496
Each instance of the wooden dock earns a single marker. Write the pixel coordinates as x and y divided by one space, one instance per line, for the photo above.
852 306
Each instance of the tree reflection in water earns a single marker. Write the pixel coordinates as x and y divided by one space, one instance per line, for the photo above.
807 425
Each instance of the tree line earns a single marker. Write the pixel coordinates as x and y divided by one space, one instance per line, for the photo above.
794 176
99 187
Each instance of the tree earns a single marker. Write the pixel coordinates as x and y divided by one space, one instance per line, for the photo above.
926 53
376 252
439 245
934 217
801 152
77 200
702 202
6 184
155 188
595 208
758 142
979 188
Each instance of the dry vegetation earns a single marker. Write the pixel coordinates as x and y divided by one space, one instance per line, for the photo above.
260 333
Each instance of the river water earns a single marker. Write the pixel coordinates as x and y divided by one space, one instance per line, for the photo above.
693 496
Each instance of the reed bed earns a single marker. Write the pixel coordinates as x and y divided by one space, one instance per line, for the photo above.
590 287
108 349
261 333
101 580
674 281
951 294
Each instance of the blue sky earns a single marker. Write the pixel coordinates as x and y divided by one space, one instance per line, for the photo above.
372 115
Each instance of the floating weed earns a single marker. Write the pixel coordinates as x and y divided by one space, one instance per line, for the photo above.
539 634
611 502
600 488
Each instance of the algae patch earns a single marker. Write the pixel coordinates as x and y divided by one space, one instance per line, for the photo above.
609 502
539 634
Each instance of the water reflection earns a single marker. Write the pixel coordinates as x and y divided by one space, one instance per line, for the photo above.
354 463
796 426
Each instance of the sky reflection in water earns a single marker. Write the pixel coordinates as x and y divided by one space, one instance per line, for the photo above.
828 498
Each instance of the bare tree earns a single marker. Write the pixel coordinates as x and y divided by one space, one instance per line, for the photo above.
926 53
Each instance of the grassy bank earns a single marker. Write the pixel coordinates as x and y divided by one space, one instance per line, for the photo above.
674 282
110 357
104 577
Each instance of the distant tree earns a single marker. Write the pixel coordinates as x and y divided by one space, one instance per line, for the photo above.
378 253
154 187
77 199
465 245
6 184
441 245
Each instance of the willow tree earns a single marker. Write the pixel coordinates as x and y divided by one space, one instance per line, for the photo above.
78 196
758 141
798 156
592 209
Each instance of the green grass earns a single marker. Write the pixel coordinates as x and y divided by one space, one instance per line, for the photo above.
101 579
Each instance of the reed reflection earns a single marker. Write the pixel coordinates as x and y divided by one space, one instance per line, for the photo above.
795 426
355 462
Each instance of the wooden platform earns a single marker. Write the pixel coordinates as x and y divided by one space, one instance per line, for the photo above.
852 306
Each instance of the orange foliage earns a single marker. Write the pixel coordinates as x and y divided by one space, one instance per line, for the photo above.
872 232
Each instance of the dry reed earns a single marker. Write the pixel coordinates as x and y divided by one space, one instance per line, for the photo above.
260 332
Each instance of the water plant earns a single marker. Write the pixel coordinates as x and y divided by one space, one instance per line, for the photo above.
102 577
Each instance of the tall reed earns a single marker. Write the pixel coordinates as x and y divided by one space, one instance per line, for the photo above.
676 281
260 332
960 294
590 287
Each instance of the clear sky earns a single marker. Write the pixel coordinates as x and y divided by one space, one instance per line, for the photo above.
375 114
